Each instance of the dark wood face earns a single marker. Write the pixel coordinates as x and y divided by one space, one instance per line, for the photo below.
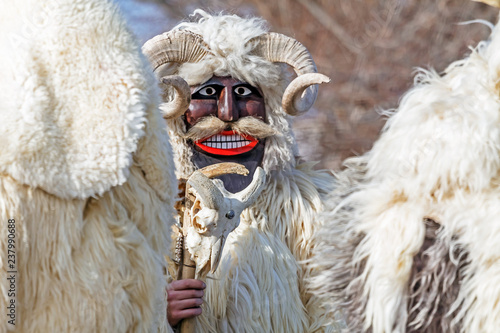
226 98
229 100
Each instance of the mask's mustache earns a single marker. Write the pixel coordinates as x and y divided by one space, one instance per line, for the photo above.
211 125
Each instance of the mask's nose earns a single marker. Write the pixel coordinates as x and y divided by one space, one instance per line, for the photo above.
228 110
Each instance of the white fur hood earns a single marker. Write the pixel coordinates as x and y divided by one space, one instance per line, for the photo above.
73 96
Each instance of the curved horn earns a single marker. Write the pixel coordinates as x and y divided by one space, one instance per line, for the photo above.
216 253
252 191
219 169
494 3
182 98
175 46
209 193
301 94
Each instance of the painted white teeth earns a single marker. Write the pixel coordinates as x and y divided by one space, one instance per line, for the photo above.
226 141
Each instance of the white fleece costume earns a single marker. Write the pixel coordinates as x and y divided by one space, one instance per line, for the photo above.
85 171
259 285
411 241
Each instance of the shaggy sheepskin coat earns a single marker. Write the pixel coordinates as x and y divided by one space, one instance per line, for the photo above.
260 283
84 171
411 240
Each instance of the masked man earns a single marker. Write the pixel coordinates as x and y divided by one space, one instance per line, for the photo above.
236 107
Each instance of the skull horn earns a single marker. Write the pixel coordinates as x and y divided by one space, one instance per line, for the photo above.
301 93
219 169
248 195
210 194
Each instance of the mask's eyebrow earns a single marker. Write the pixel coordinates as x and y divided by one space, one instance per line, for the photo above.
206 84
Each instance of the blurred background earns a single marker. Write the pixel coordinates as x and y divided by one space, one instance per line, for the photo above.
370 49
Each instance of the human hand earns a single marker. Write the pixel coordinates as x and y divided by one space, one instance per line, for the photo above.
184 300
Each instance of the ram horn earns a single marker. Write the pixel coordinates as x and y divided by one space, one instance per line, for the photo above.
178 46
182 98
175 46
302 92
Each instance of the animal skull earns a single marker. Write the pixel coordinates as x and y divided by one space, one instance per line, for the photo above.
214 214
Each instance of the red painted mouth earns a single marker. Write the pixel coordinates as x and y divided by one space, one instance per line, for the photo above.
227 143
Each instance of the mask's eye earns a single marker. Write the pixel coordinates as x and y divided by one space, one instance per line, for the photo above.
207 91
242 91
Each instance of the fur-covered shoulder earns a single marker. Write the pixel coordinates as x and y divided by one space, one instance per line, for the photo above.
63 132
410 232
445 132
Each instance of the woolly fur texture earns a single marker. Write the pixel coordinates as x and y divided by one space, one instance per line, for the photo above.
411 238
86 171
259 285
